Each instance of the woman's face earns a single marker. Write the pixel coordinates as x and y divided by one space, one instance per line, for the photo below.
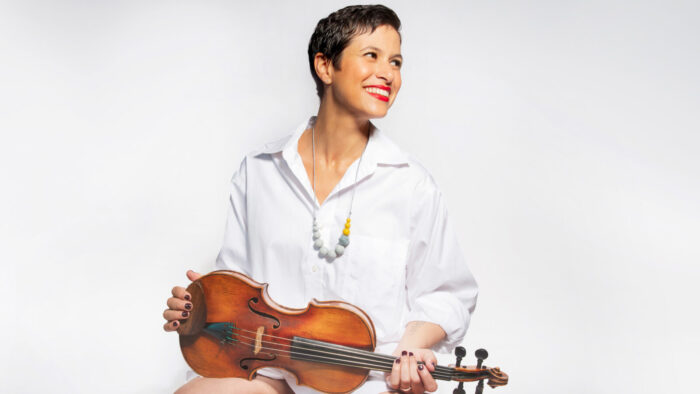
369 77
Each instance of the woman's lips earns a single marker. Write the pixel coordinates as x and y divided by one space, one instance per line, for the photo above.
377 91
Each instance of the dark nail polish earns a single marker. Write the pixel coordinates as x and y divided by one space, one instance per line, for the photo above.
398 360
410 354
185 313
187 297
188 306
175 324
404 353
420 367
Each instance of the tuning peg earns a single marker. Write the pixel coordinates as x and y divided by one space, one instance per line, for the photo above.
481 355
460 352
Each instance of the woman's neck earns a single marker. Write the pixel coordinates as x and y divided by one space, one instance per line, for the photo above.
340 136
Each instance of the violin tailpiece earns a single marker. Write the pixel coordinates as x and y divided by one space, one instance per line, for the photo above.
224 332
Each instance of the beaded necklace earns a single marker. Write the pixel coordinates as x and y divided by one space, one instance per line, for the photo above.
344 239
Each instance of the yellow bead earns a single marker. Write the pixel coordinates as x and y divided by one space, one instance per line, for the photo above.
347 221
346 232
347 225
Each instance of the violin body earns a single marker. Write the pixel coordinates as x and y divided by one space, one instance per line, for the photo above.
235 328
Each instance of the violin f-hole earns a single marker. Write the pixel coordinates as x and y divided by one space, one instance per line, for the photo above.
244 362
254 300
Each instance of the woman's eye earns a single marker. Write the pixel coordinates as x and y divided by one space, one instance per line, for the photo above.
374 55
397 62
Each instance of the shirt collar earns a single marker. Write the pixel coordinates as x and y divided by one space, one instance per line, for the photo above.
380 149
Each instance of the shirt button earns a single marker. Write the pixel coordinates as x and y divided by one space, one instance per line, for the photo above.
314 268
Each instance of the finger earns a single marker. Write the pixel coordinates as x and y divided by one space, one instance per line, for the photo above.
170 314
191 275
405 371
416 384
430 361
427 380
395 377
178 304
171 325
181 293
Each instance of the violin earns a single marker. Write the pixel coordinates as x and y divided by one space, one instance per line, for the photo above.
235 328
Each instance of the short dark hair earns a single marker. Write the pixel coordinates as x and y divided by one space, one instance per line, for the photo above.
334 32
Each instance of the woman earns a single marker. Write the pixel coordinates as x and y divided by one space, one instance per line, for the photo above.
291 199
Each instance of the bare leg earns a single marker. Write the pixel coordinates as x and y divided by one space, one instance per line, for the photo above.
259 385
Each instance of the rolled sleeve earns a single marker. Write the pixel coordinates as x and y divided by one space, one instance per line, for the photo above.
234 250
440 286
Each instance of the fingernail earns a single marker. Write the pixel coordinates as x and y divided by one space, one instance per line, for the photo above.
410 354
187 297
188 306
420 367
175 323
398 360
404 353
185 313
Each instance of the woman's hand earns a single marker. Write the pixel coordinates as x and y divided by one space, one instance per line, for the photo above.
410 376
179 305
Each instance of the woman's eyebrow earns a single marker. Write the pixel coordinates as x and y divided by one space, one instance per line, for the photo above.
379 50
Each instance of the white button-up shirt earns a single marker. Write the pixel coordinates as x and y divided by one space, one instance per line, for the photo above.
403 262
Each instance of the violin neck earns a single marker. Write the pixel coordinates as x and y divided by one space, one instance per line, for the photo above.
329 353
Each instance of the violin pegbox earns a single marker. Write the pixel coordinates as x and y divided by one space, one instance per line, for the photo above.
477 373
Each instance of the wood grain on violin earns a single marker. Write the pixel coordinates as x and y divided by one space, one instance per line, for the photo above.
235 328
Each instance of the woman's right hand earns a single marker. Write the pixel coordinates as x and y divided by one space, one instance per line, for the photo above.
179 305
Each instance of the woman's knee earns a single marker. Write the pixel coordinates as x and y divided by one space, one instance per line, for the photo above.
234 385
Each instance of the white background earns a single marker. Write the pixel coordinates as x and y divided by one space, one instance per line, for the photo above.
564 135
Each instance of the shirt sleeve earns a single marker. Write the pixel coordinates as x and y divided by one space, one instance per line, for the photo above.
234 251
440 286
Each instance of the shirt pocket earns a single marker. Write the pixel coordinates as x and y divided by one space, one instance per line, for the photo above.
377 271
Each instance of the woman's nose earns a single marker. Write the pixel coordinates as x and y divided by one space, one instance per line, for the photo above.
385 72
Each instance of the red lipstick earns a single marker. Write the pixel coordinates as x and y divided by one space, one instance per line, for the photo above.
379 96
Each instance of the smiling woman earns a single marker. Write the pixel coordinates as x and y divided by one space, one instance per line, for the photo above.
294 196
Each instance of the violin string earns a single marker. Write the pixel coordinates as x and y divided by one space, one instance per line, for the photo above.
369 364
364 353
359 352
303 351
384 365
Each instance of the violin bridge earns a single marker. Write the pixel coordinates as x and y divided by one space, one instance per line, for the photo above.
258 339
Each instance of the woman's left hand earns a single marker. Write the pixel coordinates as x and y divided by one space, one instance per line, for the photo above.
408 376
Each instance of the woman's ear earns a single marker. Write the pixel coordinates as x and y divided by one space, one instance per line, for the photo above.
324 68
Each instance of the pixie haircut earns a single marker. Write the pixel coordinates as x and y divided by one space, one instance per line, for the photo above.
334 32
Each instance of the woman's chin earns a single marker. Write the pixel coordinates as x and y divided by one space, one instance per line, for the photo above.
378 112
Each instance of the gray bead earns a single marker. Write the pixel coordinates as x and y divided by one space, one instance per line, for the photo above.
331 254
317 234
318 243
344 240
323 251
339 250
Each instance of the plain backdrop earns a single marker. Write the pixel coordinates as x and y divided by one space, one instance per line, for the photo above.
564 135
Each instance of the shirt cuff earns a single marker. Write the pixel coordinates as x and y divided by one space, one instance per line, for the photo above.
444 310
